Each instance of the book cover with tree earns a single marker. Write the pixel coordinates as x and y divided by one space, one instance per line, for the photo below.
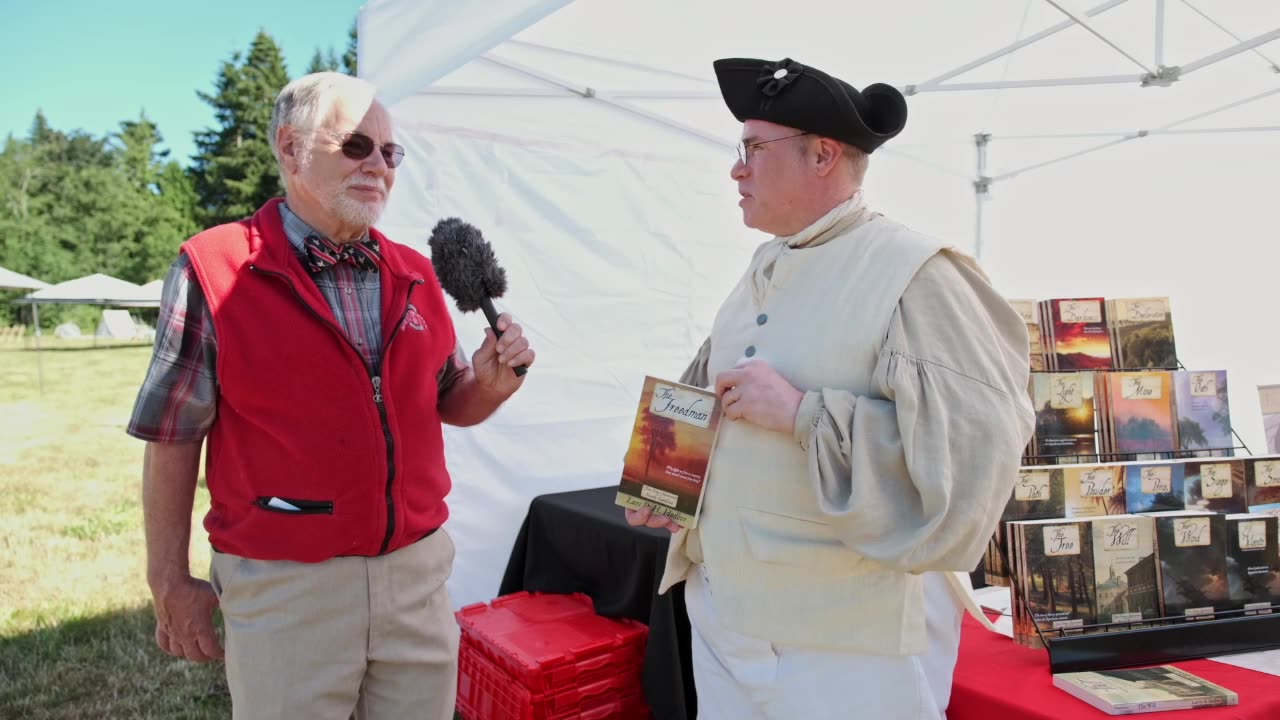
665 466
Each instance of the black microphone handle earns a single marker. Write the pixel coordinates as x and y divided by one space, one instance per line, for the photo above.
487 306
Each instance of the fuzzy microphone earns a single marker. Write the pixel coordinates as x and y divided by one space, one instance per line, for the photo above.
468 270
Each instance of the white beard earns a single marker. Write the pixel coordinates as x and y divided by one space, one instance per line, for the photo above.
334 196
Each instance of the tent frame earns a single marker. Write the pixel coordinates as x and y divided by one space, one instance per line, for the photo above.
1155 75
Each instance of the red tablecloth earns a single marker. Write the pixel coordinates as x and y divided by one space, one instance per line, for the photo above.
996 679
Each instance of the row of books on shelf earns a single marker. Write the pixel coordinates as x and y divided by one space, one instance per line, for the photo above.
1137 414
1065 492
1099 333
1119 572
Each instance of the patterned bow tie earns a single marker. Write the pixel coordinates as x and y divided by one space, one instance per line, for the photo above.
323 254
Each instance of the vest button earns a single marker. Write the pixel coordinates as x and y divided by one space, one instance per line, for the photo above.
762 319
751 350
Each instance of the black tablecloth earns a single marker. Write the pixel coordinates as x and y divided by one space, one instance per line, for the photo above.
580 542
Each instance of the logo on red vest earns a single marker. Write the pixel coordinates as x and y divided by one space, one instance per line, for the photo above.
413 320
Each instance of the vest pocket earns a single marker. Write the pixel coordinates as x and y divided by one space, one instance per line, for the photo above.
293 506
787 540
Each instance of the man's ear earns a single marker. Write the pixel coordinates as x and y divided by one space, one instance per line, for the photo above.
828 155
290 149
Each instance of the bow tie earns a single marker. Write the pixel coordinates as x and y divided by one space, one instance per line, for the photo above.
323 254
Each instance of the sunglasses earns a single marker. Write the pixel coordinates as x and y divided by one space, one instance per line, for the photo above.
359 146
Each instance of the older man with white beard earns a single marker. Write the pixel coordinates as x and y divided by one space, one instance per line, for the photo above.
318 360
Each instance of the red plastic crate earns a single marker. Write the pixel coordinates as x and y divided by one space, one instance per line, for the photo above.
487 693
547 642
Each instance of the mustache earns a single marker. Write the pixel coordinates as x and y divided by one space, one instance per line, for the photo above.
377 184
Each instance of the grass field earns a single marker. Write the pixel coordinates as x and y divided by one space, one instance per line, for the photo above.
76 622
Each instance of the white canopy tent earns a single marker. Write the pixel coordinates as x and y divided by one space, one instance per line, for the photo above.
589 143
95 289
10 280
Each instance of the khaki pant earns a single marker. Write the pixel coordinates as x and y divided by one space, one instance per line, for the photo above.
374 637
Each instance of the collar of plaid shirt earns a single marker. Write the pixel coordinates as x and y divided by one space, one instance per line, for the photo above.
323 253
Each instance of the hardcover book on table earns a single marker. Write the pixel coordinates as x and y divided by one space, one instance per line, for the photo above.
1130 691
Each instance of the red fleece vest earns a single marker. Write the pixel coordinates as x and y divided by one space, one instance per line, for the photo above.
313 455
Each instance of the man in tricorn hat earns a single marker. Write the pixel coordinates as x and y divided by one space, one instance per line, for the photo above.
875 385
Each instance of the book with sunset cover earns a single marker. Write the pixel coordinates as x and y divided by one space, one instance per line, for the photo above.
1064 407
665 467
1081 340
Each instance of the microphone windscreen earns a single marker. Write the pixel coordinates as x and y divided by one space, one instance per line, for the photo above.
465 264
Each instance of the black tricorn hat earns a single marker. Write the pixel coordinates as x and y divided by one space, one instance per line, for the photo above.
805 98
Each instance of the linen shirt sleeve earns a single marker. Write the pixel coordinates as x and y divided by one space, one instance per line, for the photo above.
915 474
696 373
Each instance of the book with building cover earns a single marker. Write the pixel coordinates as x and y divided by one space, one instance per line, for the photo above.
1125 569
666 463
1131 691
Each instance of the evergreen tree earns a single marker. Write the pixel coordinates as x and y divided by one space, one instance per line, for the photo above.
234 169
349 57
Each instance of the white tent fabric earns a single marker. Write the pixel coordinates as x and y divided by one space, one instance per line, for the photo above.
96 289
593 150
18 281
118 325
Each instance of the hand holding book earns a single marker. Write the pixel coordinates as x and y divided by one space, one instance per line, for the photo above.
644 516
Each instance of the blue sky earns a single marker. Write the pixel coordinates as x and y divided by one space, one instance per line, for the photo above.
91 64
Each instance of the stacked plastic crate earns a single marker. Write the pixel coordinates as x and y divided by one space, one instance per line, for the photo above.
543 656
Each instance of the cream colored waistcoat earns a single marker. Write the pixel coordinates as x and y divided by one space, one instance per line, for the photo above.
777 571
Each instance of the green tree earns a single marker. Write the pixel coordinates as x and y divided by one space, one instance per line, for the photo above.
323 62
234 169
350 57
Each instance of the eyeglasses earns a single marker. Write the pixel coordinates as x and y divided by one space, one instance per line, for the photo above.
359 146
743 149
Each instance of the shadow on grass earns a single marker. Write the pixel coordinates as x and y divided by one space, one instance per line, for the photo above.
105 666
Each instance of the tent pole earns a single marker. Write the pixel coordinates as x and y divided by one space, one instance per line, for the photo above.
981 186
1084 23
1159 33
1010 48
35 315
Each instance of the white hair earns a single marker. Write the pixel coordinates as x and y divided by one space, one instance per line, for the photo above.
307 102
858 161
